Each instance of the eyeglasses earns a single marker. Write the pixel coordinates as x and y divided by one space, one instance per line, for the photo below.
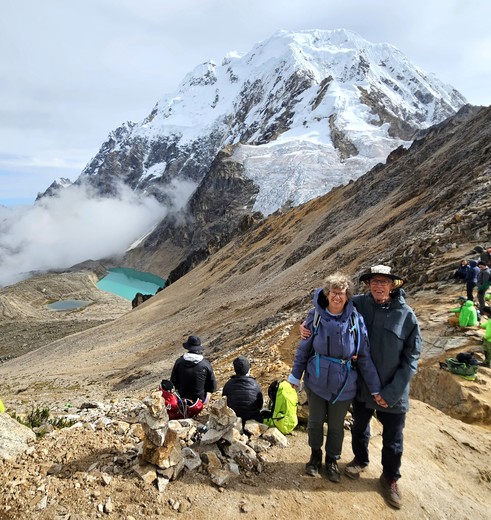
378 281
336 293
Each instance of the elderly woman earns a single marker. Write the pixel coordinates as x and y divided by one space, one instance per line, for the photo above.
326 361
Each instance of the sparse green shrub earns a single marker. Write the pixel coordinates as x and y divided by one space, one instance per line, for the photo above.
38 417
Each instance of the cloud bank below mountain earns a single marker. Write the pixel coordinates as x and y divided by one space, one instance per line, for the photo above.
58 232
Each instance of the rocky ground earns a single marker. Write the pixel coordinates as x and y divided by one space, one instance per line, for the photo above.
89 471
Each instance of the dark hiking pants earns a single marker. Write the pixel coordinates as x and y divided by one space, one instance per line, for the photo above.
470 290
392 438
321 411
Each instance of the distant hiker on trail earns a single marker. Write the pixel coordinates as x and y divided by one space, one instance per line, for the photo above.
395 346
486 256
486 341
461 272
192 374
326 363
483 283
243 393
471 279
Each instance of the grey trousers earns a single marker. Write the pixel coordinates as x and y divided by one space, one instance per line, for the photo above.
321 411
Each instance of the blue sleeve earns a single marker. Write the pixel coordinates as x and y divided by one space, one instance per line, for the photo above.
303 352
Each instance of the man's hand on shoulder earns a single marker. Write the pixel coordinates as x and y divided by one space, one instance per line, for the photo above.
304 331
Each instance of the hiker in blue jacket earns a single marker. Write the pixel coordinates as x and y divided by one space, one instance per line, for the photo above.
471 279
395 346
326 363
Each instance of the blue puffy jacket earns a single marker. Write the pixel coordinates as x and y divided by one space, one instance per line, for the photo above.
334 339
472 272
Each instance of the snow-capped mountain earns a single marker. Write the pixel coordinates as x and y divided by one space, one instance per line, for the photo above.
299 114
304 111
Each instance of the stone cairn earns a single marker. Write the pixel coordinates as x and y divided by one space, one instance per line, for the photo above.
219 447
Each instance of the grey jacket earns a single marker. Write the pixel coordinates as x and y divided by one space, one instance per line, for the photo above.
395 346
483 279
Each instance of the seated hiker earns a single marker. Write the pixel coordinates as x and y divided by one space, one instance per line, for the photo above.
461 272
178 408
243 393
192 374
467 314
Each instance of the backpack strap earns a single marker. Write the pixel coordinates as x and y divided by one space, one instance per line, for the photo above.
355 329
182 405
315 323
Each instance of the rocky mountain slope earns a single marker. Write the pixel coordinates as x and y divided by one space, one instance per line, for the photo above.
421 212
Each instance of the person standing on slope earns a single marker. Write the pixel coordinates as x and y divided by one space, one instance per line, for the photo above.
326 363
395 346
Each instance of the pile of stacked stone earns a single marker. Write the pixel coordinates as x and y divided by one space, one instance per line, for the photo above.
219 447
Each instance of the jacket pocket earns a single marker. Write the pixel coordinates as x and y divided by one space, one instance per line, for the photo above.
395 328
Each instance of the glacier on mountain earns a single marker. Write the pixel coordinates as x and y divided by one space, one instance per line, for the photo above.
306 111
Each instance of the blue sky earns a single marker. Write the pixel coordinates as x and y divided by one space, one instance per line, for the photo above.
73 71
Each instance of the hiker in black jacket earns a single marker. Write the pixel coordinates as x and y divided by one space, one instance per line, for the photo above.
192 374
243 393
483 283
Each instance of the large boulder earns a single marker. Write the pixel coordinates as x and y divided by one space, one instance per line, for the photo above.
14 437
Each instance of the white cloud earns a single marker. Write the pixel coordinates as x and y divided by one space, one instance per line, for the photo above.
61 231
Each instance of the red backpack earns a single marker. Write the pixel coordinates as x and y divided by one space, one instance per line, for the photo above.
178 408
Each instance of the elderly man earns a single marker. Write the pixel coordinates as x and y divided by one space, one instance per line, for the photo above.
395 345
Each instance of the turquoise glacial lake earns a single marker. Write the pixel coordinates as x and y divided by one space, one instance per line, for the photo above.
67 305
126 282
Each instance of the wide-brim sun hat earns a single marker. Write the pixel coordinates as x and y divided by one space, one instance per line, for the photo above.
382 270
193 344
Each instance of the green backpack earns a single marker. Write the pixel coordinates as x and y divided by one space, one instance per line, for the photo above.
283 399
465 370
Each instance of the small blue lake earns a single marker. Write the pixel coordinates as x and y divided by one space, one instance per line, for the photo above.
126 282
67 305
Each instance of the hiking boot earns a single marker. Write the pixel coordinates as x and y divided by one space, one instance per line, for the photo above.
354 469
314 464
392 494
332 470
